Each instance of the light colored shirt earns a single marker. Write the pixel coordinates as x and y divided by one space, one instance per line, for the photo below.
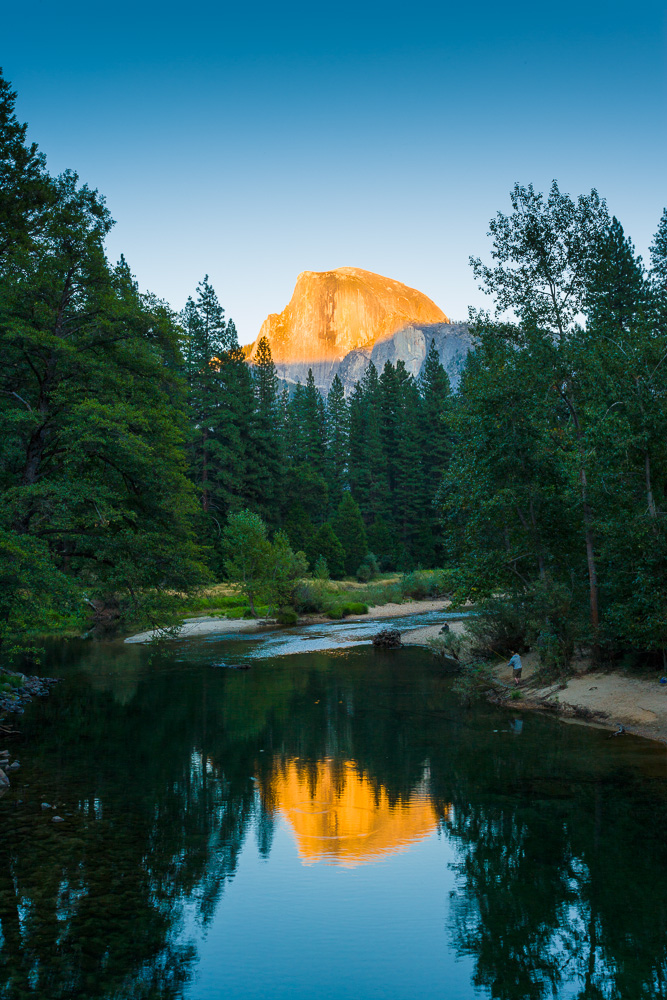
515 662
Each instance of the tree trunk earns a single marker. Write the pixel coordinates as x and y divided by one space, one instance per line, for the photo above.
204 473
590 553
538 542
588 522
649 489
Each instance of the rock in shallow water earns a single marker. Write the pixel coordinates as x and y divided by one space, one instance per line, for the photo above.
388 638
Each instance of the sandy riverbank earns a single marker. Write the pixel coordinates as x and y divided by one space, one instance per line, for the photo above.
602 698
207 625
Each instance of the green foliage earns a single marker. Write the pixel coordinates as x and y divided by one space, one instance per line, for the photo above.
369 568
287 616
286 568
326 545
354 608
337 441
423 584
498 627
92 404
383 543
349 528
248 554
474 682
321 569
35 596
258 567
554 495
450 647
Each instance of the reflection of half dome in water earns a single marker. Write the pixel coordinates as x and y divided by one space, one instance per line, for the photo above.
339 816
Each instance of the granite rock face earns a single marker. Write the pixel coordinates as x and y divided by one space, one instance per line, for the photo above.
334 312
338 321
410 345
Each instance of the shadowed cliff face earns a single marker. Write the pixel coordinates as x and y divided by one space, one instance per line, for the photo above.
334 312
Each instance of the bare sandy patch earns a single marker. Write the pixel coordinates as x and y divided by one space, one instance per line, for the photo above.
421 636
192 627
631 701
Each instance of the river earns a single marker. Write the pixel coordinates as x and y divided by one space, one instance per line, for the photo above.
330 824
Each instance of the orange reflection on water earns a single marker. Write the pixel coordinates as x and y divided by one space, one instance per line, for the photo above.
338 816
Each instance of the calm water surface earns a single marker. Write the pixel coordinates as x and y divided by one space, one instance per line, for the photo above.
329 824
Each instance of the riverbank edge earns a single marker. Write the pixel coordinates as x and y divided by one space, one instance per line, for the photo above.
607 700
563 699
206 625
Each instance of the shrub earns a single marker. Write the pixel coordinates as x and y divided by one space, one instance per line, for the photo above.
422 583
551 625
354 608
335 613
287 616
541 617
449 646
369 569
310 597
498 627
474 682
239 611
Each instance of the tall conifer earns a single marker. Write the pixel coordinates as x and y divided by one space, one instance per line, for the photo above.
349 528
338 435
268 451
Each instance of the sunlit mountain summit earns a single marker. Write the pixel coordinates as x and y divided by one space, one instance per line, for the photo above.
338 321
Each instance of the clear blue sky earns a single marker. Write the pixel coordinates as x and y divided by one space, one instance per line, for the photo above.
254 141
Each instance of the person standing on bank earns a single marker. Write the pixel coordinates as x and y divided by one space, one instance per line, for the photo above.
515 664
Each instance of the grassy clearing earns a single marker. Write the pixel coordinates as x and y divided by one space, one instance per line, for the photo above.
333 598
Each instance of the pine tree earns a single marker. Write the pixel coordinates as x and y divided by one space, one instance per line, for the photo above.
26 191
338 436
327 544
410 501
311 421
368 472
268 451
298 526
615 294
435 443
658 275
221 403
382 542
206 341
348 526
92 408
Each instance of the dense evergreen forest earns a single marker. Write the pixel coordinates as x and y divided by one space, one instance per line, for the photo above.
138 445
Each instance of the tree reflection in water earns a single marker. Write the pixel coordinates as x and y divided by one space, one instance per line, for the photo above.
165 767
